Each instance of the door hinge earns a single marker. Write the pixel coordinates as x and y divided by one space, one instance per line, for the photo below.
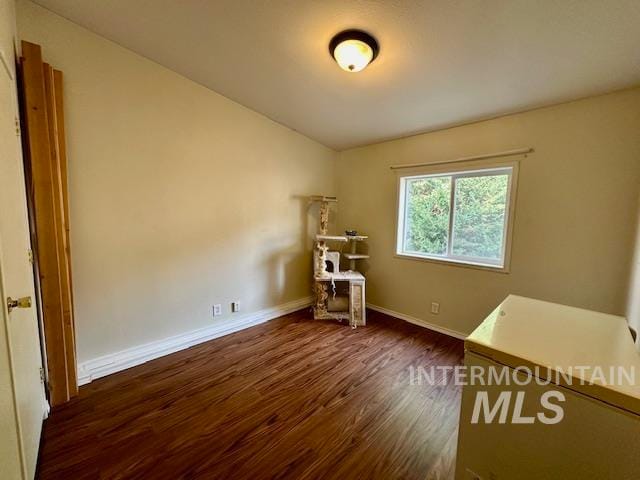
30 254
17 126
43 380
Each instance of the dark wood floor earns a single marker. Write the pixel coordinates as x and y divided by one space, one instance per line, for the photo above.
291 398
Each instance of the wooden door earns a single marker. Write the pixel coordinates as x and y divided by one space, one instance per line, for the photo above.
45 160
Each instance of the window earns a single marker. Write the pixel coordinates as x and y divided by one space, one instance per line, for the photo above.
458 216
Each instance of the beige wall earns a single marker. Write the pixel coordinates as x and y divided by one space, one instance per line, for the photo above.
575 213
179 197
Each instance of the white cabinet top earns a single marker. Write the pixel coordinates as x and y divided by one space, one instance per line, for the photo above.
560 339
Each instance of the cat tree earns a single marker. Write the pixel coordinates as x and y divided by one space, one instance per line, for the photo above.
339 295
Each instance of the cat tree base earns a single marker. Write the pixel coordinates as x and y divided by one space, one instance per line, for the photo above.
356 313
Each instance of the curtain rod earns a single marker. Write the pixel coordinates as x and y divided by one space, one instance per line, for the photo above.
506 153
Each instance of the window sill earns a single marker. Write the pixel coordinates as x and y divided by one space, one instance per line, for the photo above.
455 263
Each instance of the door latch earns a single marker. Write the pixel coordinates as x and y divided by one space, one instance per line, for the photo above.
22 302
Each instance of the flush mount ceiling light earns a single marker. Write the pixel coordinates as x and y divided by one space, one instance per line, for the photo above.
353 50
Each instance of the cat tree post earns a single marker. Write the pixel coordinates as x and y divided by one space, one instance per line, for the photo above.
347 298
320 267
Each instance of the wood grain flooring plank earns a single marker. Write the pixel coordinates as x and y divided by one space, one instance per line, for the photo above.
292 398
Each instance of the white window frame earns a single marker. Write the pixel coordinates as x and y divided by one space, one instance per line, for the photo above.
456 171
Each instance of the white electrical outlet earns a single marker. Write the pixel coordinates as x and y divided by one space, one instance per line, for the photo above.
217 310
235 306
435 308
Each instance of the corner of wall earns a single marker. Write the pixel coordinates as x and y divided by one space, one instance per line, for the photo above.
633 295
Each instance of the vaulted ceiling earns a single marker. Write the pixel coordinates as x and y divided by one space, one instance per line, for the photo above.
441 62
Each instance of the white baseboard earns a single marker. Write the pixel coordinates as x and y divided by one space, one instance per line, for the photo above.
418 321
115 362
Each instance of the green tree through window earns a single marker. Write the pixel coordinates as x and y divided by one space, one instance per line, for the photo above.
428 215
478 220
472 228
